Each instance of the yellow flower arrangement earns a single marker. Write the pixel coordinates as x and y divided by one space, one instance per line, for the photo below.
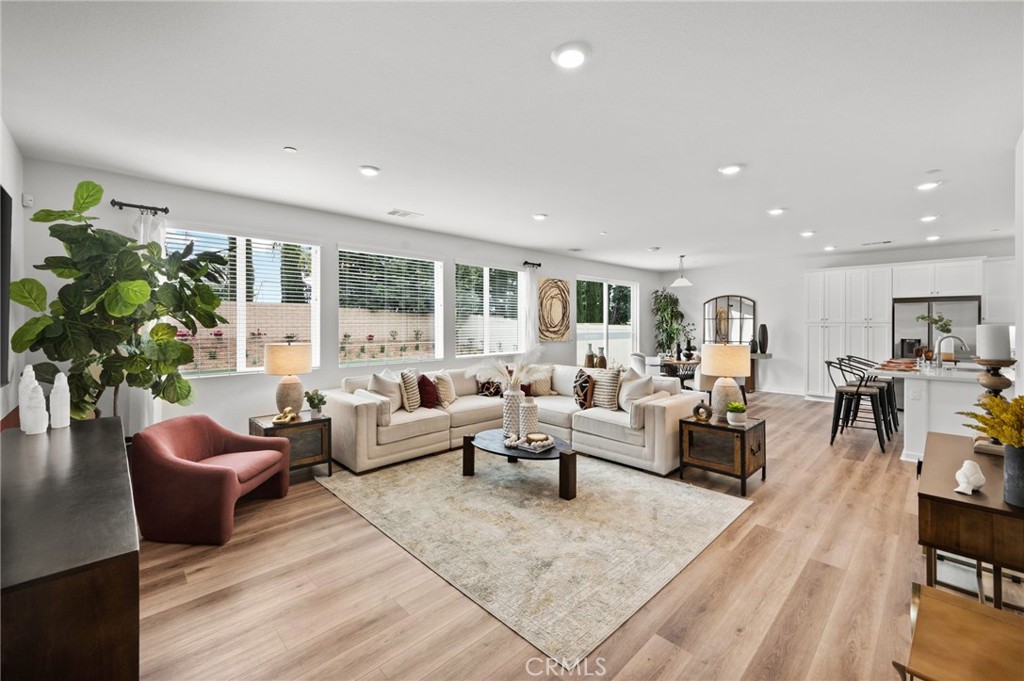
1006 422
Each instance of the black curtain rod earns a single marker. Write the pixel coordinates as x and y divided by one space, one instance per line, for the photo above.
121 205
527 263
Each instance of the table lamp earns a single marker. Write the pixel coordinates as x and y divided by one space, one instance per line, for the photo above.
287 360
725 362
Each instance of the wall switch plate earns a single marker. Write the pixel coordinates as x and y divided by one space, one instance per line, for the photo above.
915 394
27 200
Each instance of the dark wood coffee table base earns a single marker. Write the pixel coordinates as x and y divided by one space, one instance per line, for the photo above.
566 463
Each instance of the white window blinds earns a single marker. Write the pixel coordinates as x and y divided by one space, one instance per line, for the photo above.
488 312
271 295
387 308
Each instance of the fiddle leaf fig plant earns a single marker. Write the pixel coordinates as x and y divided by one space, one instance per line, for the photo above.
668 319
110 321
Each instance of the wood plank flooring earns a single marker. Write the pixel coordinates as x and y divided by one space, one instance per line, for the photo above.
813 581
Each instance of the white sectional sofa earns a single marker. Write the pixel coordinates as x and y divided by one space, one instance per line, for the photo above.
361 445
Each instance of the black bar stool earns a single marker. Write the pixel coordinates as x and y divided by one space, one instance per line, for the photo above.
846 407
855 376
867 365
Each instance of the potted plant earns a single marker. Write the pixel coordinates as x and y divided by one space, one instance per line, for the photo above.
316 401
668 319
1003 421
99 322
941 323
736 413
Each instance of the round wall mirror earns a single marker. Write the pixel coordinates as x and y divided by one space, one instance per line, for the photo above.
729 319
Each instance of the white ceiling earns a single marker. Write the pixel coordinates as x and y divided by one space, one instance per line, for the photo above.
837 109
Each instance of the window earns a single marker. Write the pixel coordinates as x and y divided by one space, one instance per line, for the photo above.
488 316
387 308
271 295
605 319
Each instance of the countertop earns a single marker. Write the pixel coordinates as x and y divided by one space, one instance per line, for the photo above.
946 374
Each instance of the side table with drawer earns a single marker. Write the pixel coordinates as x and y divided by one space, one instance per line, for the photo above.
716 446
310 438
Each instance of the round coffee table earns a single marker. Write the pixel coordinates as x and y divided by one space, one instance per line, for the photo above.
493 441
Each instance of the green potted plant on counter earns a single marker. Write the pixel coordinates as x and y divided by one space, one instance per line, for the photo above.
1003 421
941 323
736 413
316 401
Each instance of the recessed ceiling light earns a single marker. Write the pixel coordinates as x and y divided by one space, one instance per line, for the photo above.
933 171
291 150
369 171
603 233
731 169
540 216
929 218
775 212
806 234
654 249
829 248
570 55
574 250
933 237
928 186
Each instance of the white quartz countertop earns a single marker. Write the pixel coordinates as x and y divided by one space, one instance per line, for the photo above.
947 374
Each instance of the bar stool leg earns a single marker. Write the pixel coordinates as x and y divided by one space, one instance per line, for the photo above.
837 408
876 411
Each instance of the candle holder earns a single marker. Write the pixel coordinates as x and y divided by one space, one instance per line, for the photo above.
994 383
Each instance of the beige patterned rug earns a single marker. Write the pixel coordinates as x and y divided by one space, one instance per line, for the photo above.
562 574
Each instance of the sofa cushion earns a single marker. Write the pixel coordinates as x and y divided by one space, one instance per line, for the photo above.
246 465
489 389
465 383
445 388
562 378
556 410
541 385
428 392
606 388
390 386
383 405
606 423
637 408
583 389
472 409
633 387
409 424
410 389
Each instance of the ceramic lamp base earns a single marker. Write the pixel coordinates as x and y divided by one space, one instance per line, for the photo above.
725 390
289 394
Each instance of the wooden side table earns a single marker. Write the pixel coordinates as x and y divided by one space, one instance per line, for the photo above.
716 446
310 438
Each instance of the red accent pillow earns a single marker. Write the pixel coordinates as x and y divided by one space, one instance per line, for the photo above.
525 387
428 392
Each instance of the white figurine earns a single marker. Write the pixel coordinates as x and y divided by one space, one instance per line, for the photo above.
28 379
970 477
33 412
60 402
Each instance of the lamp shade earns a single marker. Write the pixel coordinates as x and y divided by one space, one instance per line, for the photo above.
725 360
288 359
993 341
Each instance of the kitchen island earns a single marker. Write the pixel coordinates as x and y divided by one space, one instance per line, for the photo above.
931 400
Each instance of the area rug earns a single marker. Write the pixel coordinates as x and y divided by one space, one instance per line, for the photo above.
562 574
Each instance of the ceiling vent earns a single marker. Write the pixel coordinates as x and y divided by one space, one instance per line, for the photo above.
878 243
399 213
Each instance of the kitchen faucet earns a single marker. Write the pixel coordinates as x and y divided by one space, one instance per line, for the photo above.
938 347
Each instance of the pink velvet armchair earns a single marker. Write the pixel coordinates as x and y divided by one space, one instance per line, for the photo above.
188 472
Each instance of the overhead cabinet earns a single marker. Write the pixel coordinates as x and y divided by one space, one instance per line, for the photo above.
868 294
926 280
998 300
825 293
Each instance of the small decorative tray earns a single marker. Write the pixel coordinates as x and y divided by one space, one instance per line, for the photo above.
525 443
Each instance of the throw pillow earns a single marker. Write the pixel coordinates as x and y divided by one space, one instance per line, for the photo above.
489 389
542 386
527 389
390 386
606 388
428 392
383 406
583 389
562 378
410 389
638 407
634 388
445 389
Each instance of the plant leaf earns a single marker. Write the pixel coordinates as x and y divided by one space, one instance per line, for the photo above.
128 265
163 332
87 195
29 332
30 293
124 297
175 389
61 266
47 215
45 371
69 234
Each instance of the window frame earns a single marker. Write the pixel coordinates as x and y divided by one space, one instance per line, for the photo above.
521 312
605 296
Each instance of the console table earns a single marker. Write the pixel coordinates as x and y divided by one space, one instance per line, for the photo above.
981 525
69 555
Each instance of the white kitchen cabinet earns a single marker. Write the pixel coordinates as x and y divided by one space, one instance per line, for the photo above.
930 279
868 294
872 340
997 297
825 296
824 341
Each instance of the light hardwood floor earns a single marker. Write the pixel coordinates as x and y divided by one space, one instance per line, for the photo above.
813 581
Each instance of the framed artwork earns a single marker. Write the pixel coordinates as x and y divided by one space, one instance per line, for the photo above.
553 308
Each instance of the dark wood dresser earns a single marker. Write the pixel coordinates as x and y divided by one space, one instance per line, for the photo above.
69 555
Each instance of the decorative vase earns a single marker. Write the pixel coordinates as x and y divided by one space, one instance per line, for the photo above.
510 411
736 419
1013 475
753 345
590 357
688 352
601 362
762 338
679 352
527 417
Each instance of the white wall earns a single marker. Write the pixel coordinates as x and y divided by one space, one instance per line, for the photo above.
777 286
1018 174
11 172
232 399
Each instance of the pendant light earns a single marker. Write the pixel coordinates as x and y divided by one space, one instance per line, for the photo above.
681 281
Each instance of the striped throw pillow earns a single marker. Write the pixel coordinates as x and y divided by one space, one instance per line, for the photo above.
606 388
410 390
